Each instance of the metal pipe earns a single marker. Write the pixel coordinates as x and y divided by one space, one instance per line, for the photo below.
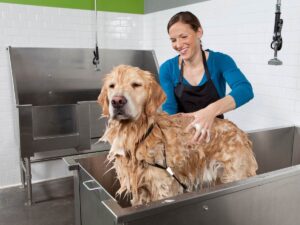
22 171
96 21
28 180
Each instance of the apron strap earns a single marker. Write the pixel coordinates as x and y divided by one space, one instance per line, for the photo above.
181 72
207 73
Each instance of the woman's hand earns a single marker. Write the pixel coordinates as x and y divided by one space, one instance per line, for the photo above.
204 118
202 123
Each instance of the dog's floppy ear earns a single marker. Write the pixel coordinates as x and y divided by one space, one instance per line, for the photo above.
156 96
103 101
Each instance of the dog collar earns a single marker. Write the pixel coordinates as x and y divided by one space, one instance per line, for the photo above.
167 168
146 134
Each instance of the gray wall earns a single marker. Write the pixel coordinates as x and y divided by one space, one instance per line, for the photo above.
157 5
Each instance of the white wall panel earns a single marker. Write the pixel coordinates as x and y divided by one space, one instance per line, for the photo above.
240 28
31 26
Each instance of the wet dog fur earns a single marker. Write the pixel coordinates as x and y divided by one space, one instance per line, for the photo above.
142 137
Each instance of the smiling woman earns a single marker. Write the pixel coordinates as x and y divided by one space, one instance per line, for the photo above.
195 80
132 6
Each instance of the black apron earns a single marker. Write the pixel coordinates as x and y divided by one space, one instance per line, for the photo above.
194 98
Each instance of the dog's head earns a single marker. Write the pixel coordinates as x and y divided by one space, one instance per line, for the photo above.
128 92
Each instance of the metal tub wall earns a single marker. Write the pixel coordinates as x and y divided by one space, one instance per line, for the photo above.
270 198
61 76
56 91
276 148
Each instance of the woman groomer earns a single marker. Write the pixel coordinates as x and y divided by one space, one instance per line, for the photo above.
195 80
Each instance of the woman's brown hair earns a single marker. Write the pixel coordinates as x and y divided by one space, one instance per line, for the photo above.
187 18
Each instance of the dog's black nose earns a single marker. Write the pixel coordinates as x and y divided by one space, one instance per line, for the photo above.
118 101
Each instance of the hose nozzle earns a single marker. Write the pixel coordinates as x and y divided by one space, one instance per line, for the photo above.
276 44
275 62
96 60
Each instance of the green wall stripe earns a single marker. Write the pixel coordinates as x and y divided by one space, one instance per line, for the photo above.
129 6
125 6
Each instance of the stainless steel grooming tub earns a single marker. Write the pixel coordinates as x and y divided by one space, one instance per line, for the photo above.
270 198
56 91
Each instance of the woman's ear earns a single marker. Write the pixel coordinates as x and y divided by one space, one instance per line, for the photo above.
199 33
156 96
103 101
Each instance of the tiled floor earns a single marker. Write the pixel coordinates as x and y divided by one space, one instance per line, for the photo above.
53 204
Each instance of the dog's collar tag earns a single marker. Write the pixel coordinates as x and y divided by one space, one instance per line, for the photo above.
170 171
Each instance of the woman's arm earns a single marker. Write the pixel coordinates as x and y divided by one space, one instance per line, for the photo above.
241 89
221 106
241 92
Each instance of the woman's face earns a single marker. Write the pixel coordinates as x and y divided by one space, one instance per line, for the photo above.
185 40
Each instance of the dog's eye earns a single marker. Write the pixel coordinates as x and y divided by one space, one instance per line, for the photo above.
135 85
111 86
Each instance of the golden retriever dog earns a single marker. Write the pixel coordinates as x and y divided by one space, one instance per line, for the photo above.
152 153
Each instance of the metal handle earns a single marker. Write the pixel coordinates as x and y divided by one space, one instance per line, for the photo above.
85 183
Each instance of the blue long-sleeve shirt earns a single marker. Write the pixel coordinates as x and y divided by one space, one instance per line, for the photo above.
222 69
